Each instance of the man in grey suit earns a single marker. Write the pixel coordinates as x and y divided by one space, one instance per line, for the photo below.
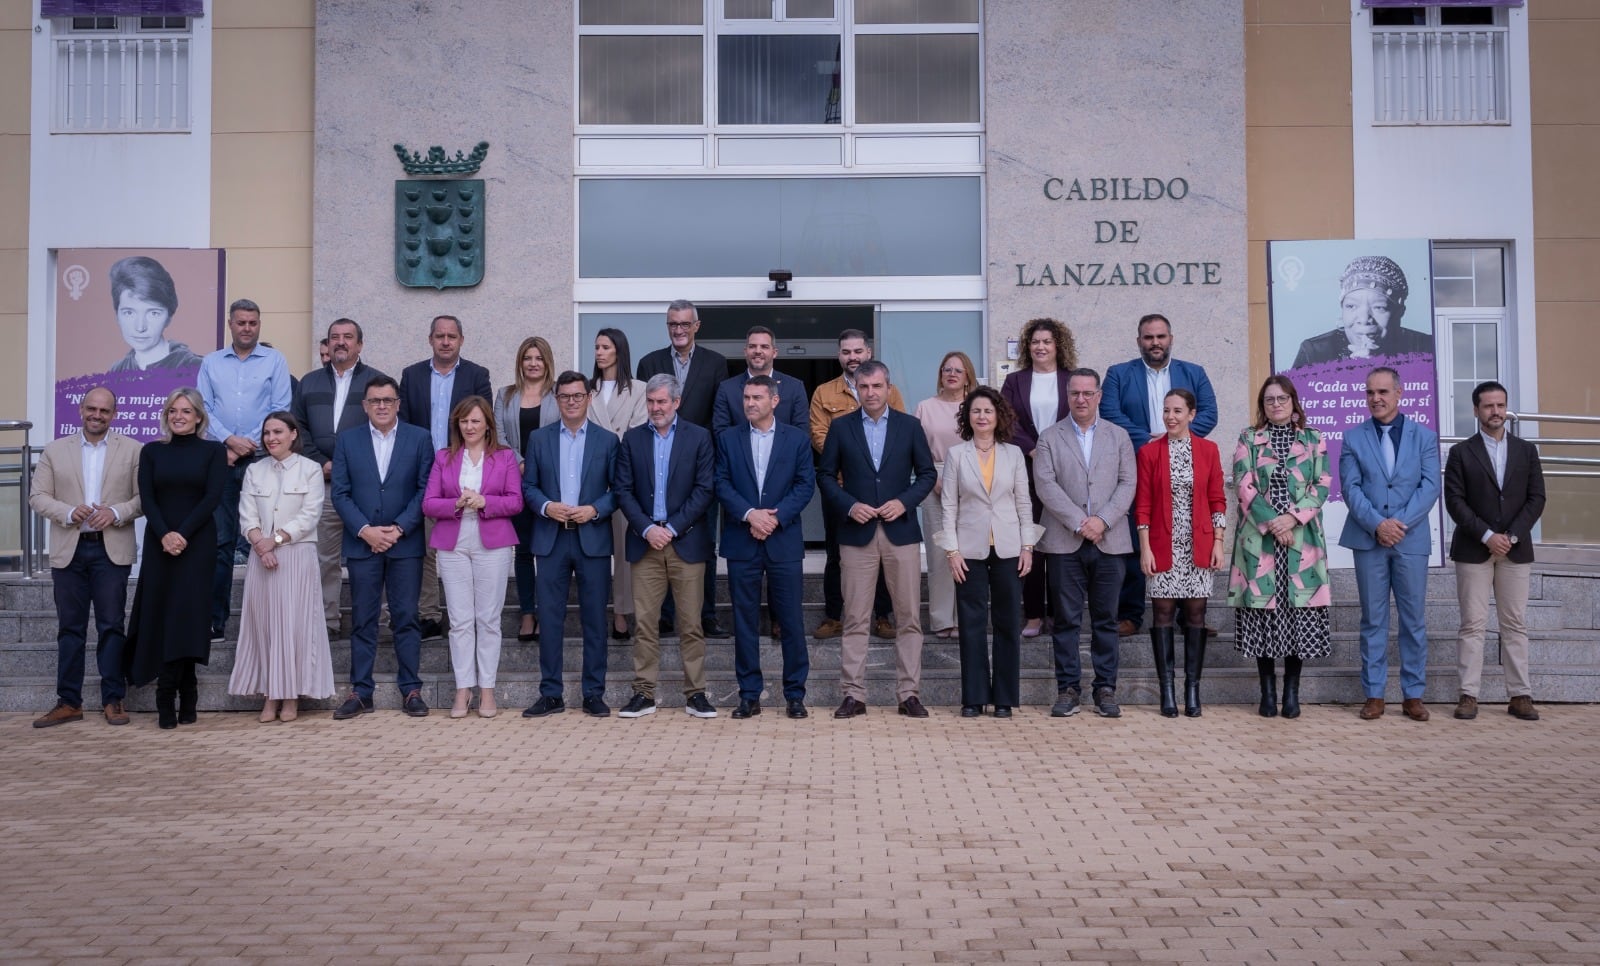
328 400
1083 470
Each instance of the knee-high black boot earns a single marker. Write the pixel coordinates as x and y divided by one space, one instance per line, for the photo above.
1291 687
1161 645
1269 687
188 694
1194 661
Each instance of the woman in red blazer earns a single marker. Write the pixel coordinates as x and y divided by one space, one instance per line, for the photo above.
1181 512
473 491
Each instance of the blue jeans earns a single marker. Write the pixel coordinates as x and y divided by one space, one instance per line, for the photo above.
90 579
1378 572
1093 577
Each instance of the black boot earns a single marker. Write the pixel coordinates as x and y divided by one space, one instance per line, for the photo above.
166 713
1194 661
1269 687
188 695
1161 645
1291 687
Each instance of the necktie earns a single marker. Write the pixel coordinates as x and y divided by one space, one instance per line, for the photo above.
1388 448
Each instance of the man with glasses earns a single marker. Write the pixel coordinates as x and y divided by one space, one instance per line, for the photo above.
699 371
1084 472
380 470
566 484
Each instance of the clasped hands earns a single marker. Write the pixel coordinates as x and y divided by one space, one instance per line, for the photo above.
1282 528
470 499
1391 532
265 547
98 516
763 523
566 513
889 512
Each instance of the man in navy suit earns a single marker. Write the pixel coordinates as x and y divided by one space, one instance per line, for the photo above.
566 484
765 478
380 471
759 352
1389 473
429 390
1131 397
876 468
664 483
699 372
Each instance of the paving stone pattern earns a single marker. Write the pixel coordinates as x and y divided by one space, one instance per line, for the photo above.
880 840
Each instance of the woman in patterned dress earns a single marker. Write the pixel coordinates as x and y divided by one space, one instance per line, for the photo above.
1279 583
1180 510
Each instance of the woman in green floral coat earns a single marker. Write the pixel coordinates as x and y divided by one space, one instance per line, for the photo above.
1279 581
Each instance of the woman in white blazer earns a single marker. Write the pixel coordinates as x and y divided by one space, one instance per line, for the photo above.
988 538
617 405
283 641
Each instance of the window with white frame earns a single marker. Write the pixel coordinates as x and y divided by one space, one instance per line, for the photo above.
1440 64
789 63
121 74
1470 318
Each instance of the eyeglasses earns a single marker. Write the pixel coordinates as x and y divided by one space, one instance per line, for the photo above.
952 371
1082 393
680 325
383 401
1275 400
571 397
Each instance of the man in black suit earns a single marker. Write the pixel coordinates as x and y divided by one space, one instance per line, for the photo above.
328 400
1494 491
566 484
428 391
876 468
699 372
664 484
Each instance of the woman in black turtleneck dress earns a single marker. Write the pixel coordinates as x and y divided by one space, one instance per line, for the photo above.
181 479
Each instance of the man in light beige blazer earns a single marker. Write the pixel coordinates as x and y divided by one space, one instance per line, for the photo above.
1083 472
87 486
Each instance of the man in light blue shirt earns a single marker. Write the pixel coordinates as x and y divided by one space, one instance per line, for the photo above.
241 386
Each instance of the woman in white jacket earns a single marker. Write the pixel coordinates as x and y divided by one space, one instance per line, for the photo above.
283 642
988 538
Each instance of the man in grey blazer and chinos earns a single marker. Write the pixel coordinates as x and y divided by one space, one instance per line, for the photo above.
1083 471
1390 486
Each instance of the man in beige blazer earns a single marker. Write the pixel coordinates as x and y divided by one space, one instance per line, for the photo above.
87 486
1083 471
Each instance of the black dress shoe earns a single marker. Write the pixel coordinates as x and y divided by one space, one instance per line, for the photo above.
548 705
526 636
431 630
666 627
621 635
594 706
850 708
714 628
414 705
797 709
1002 711
972 711
748 708
354 706
912 708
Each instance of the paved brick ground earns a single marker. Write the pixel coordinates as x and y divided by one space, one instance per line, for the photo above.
881 840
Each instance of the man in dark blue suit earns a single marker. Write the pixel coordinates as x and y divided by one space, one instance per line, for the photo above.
380 471
876 469
1389 475
664 483
429 390
759 352
566 484
765 478
1131 397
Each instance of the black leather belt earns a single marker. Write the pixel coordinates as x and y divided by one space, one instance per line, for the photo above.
92 536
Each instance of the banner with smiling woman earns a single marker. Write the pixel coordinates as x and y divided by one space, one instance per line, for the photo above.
137 321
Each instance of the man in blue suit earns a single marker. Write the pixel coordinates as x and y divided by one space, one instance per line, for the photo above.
791 405
380 471
1389 472
765 478
1131 397
876 469
664 483
566 484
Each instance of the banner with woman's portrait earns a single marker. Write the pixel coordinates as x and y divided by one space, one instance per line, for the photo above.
1340 309
137 321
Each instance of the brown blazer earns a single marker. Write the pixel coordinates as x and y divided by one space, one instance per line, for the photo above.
58 489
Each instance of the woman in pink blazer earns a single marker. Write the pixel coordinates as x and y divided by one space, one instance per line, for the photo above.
473 492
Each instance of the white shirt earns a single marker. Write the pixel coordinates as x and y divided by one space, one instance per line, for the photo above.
1044 401
94 473
761 451
341 392
1157 383
471 477
383 448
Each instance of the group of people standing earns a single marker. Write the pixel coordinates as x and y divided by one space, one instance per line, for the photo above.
1055 502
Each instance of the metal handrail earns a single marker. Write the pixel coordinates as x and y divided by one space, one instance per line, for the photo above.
1516 419
23 469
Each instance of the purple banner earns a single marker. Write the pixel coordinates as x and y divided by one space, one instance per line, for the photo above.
122 8
1334 395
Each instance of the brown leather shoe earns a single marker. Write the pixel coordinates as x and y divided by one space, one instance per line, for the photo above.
60 714
1467 707
114 713
1372 710
1126 628
828 630
912 708
850 708
1414 709
884 627
1521 707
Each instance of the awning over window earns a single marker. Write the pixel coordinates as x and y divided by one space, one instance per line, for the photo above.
122 8
1441 3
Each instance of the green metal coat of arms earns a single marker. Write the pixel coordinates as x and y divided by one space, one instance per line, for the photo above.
439 223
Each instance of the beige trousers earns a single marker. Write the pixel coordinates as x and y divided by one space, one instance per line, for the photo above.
941 586
1509 584
428 598
654 572
902 571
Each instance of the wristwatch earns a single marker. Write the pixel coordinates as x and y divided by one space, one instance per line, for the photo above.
278 538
